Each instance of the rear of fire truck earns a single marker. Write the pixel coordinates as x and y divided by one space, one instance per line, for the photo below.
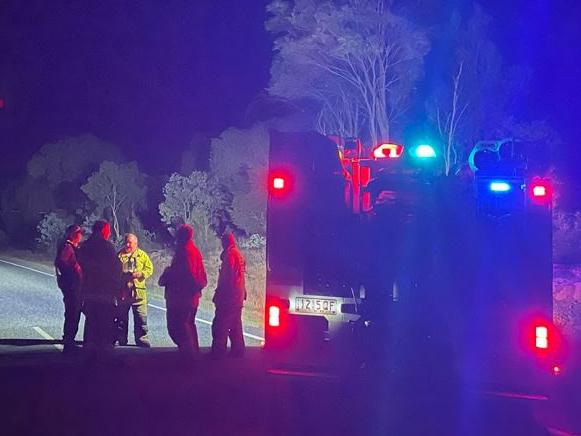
375 258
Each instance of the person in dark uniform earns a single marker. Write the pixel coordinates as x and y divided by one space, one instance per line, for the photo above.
102 281
68 277
229 300
184 280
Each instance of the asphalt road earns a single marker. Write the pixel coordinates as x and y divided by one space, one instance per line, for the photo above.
32 311
153 392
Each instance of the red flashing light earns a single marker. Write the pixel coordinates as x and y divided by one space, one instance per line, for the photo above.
556 370
279 183
540 190
387 150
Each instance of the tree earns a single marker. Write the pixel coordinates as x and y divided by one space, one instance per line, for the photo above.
88 222
23 203
566 236
61 167
51 229
457 97
195 157
239 161
448 117
539 141
474 94
117 189
71 159
356 59
195 200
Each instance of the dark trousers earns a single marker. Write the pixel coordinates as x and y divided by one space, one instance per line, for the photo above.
72 301
181 326
227 324
139 322
99 324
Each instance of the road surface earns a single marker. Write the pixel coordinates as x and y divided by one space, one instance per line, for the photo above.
32 311
152 392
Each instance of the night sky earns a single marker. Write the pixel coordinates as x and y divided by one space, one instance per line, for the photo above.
146 77
546 36
143 76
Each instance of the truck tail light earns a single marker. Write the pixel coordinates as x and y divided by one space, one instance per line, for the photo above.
541 337
276 310
273 316
276 323
545 339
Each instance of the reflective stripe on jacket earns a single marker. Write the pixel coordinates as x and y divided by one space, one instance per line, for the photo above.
138 261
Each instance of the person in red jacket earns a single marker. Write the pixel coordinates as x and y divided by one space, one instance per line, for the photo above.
229 300
184 280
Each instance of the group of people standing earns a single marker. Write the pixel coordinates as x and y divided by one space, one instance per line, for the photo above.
105 285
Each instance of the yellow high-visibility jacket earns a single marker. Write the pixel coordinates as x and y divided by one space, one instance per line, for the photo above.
138 261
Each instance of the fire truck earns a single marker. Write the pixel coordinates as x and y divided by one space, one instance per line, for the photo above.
375 257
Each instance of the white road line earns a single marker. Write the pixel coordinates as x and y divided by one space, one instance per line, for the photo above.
157 307
29 269
45 335
249 335
203 321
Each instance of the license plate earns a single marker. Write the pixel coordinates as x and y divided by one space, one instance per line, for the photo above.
323 306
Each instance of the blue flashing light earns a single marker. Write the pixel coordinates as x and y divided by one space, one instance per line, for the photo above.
425 151
498 186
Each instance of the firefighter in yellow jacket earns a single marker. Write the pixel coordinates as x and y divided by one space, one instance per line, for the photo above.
137 263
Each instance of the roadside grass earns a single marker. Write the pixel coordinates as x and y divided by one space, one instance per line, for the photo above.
253 313
33 259
567 299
